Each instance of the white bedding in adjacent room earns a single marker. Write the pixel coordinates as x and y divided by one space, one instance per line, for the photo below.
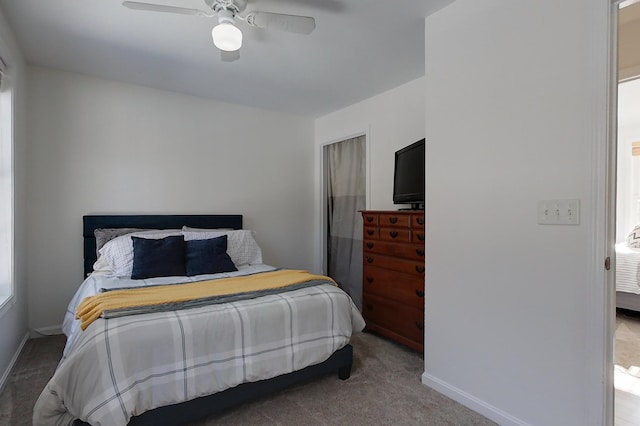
627 268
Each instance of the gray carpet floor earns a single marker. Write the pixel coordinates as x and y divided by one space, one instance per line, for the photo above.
384 389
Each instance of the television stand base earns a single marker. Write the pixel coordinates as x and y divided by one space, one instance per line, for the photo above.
414 206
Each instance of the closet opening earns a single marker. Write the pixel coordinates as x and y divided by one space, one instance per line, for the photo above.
345 195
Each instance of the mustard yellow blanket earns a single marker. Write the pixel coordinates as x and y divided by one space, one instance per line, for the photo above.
92 307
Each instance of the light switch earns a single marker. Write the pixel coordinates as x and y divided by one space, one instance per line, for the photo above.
559 212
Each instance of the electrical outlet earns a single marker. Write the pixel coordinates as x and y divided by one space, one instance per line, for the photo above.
559 212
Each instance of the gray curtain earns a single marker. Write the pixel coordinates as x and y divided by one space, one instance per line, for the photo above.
346 190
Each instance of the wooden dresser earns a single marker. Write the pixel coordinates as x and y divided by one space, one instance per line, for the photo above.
393 275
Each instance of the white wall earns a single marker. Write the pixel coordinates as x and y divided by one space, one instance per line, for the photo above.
13 321
628 166
98 146
393 120
515 112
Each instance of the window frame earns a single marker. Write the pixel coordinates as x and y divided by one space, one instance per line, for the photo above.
7 135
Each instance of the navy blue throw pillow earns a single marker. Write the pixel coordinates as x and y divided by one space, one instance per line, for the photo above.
208 256
158 258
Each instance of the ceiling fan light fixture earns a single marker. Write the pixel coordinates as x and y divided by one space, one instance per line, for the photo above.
226 36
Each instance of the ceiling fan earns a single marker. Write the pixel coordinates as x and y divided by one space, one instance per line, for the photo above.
226 36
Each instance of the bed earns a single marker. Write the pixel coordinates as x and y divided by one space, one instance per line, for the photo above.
180 363
627 277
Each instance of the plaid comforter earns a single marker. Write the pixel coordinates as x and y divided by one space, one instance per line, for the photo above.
121 367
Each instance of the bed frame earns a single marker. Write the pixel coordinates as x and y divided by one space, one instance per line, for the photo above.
93 222
629 301
340 361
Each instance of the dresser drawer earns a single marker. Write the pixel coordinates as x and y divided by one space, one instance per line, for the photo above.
401 235
388 314
390 219
371 233
417 221
370 219
417 236
412 267
407 251
404 288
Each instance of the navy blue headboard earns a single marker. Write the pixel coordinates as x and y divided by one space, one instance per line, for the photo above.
93 222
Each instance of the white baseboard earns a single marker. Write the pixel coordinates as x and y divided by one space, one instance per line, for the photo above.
47 331
7 372
471 402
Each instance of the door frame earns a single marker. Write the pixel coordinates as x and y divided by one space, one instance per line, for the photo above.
610 178
610 214
606 188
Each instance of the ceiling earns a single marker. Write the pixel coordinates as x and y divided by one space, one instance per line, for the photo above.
629 91
358 49
629 13
628 36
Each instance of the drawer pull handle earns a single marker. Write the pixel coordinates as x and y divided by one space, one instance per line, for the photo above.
369 279
420 221
419 293
420 269
420 325
369 218
369 259
419 252
393 219
370 245
370 307
420 237
369 231
393 234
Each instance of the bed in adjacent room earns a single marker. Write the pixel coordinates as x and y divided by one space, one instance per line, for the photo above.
627 276
179 318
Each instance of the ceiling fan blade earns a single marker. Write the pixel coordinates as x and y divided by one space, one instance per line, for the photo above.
230 56
290 23
136 5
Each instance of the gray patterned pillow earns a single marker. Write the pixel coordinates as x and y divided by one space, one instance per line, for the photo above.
104 235
118 253
242 247
633 239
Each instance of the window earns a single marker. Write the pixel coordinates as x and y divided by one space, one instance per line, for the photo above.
6 188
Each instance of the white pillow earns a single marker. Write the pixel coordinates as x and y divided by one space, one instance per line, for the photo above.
242 247
187 228
118 253
102 266
633 239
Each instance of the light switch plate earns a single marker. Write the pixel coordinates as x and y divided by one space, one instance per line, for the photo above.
559 212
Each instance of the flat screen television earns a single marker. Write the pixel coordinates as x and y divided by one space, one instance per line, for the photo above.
408 176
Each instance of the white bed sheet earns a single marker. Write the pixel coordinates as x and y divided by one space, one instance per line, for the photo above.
121 367
627 269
